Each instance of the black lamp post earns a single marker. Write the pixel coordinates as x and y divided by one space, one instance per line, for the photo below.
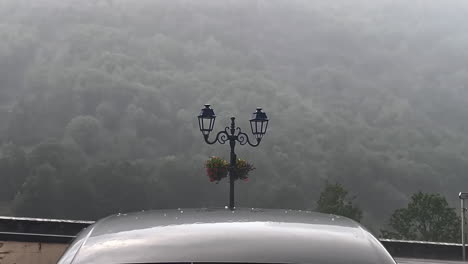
258 124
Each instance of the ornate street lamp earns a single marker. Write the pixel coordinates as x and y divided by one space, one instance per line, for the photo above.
206 120
258 124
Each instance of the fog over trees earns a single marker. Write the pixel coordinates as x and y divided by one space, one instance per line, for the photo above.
98 101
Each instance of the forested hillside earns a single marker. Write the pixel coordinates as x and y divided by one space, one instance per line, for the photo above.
98 102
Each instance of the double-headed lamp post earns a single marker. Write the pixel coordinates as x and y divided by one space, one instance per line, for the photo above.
231 134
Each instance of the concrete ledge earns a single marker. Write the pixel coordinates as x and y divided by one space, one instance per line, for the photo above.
423 249
31 237
23 225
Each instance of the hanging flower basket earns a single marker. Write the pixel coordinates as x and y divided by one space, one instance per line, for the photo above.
242 170
216 169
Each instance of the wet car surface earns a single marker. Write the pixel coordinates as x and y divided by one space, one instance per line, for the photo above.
221 235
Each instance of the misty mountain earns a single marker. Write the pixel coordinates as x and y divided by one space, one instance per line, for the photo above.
98 102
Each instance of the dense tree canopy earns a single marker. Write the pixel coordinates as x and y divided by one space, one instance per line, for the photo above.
333 200
427 218
99 98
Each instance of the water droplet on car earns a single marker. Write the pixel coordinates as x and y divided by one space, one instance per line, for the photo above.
225 207
181 212
165 214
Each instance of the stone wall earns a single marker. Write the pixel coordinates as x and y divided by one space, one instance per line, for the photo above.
12 252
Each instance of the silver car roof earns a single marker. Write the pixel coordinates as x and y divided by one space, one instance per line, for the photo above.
221 235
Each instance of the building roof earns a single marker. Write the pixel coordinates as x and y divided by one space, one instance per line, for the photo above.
221 235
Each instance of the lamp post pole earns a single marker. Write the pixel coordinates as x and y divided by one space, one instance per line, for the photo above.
233 134
463 196
462 213
232 165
